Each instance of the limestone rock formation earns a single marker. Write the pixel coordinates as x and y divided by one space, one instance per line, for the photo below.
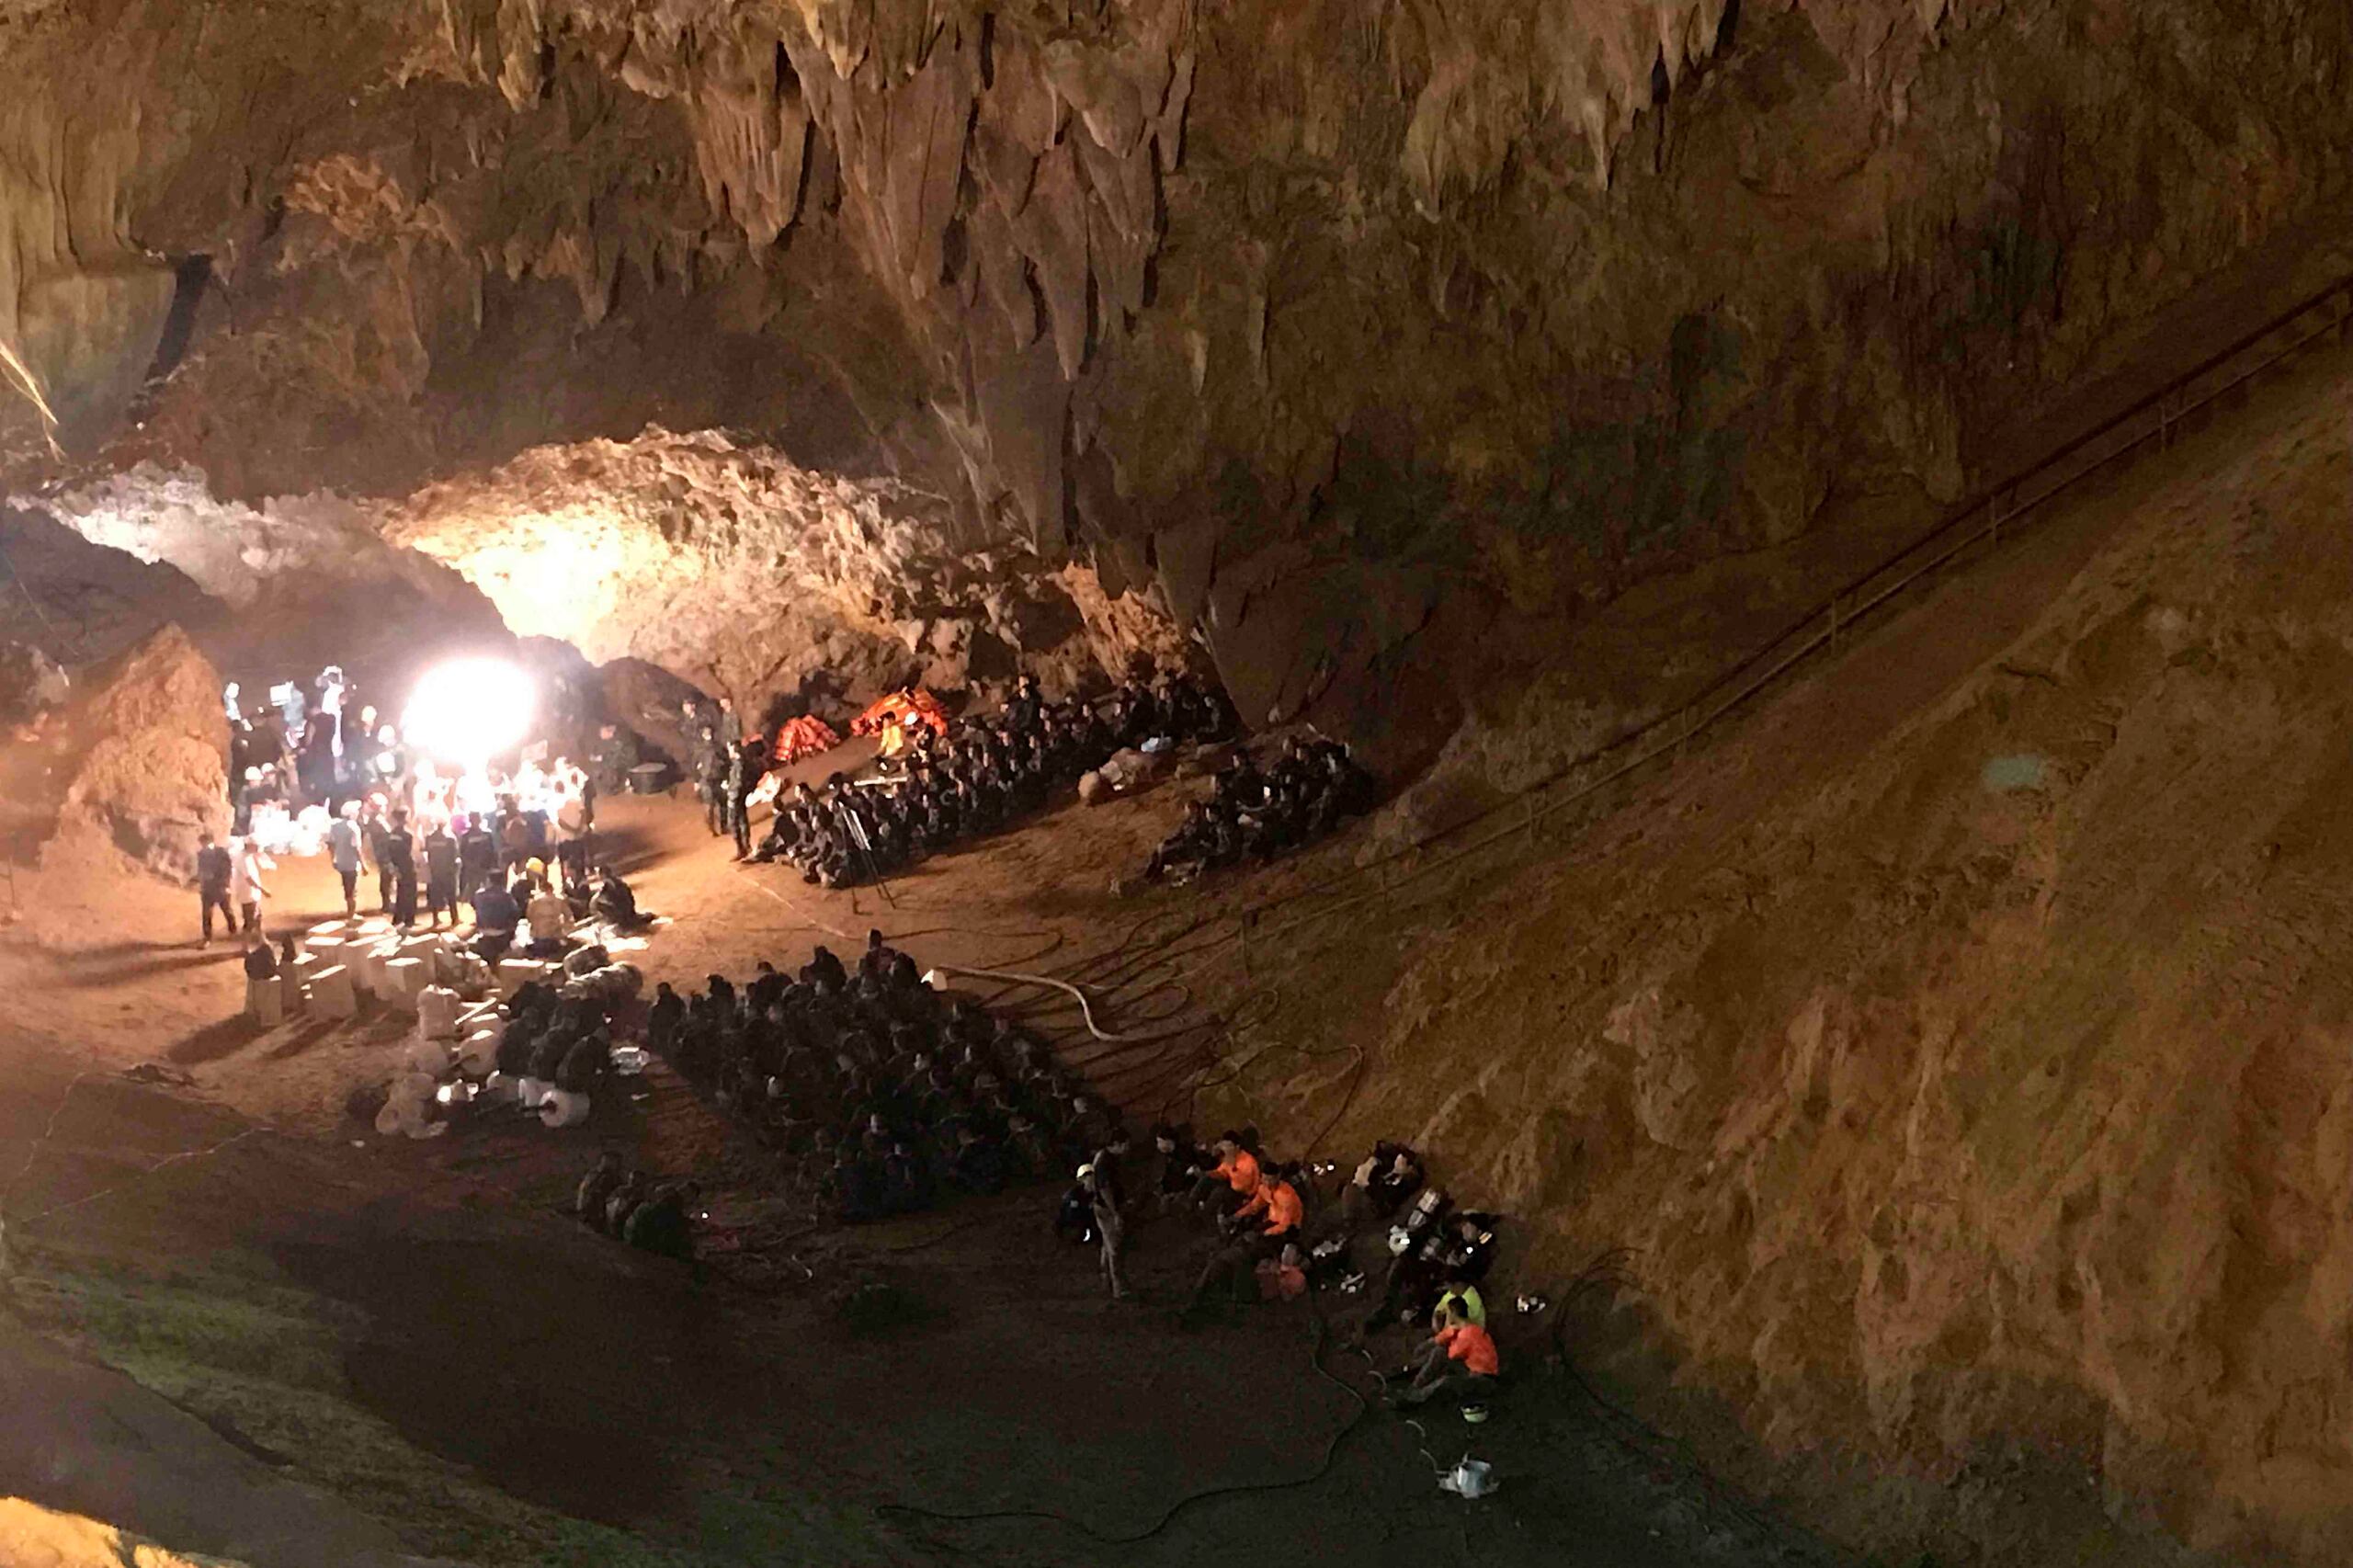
742 573
145 764
1317 320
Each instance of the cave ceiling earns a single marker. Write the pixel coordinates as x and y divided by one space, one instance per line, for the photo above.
1311 323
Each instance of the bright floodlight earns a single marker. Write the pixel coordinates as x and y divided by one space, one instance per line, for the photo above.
469 710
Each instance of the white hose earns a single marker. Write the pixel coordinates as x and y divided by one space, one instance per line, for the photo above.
1086 1012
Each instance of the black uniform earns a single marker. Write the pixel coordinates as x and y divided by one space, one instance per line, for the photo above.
212 886
397 856
749 765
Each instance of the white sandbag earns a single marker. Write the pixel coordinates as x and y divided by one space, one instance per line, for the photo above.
437 1012
563 1109
390 1119
429 1057
331 993
515 973
264 1001
403 984
478 1053
531 1093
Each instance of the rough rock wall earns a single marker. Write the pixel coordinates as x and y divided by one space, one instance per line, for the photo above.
145 764
273 590
743 573
1313 318
1960 1046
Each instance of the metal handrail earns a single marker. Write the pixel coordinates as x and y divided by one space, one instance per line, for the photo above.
2152 416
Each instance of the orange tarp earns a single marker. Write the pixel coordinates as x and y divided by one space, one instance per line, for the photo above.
804 737
913 706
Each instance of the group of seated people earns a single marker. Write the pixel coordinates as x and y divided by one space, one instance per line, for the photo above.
882 1096
979 776
630 1207
557 1037
1281 1230
1305 794
503 903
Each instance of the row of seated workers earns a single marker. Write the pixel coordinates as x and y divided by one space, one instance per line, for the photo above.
880 1095
1308 790
979 776
1382 1233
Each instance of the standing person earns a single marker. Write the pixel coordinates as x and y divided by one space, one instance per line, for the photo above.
712 761
1102 1187
212 873
332 695
400 849
343 854
245 882
477 856
744 778
293 709
374 826
441 873
570 787
513 833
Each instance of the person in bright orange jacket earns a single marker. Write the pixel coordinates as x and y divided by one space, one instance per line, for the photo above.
1459 1361
1279 1200
1276 1208
1234 1179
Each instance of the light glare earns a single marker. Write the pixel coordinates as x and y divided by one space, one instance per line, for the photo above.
469 710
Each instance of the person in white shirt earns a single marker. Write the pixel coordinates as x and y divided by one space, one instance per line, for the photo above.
343 853
245 887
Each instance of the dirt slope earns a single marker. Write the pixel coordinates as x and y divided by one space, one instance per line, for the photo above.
1960 1044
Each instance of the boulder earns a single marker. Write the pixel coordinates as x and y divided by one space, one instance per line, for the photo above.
146 769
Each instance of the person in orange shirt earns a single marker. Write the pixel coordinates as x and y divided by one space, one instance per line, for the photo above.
1233 1180
1459 1362
1275 1206
1279 1200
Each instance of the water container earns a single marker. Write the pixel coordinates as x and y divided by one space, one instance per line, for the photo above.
1471 1478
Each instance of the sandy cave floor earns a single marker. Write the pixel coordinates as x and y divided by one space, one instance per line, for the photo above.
413 1327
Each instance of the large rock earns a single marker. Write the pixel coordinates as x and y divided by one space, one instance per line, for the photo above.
146 769
743 573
